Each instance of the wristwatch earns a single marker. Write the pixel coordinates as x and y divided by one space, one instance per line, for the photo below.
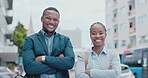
43 58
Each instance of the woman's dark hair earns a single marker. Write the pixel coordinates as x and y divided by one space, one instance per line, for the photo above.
97 23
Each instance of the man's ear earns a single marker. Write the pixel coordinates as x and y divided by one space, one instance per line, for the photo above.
42 19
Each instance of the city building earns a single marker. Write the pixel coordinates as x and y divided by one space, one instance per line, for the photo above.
74 35
8 51
127 24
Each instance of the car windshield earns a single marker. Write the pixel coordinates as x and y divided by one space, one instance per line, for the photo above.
124 69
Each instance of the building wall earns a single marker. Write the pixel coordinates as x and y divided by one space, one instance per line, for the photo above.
7 49
127 24
74 35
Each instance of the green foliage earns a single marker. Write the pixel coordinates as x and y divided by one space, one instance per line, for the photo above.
19 36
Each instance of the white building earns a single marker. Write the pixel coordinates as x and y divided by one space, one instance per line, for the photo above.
74 35
8 52
127 24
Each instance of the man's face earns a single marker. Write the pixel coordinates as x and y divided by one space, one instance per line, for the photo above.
50 21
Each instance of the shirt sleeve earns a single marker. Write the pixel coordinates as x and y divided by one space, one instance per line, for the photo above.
80 66
113 73
30 65
66 62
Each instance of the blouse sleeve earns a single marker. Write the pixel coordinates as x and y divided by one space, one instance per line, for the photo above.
80 66
113 73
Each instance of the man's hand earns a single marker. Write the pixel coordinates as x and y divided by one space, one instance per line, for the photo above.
40 58
61 55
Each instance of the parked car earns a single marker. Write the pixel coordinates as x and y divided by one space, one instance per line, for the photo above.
126 72
5 76
5 72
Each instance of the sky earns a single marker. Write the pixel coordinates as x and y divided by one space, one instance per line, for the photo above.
73 14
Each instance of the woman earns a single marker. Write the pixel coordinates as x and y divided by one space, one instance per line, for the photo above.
102 63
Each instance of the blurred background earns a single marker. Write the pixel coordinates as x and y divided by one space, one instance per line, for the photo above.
126 22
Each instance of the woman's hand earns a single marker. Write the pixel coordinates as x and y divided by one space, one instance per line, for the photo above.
87 72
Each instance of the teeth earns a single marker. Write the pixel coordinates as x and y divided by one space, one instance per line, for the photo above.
50 26
98 40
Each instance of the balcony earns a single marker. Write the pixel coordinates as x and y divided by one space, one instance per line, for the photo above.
131 12
9 51
132 30
115 35
9 19
114 19
114 4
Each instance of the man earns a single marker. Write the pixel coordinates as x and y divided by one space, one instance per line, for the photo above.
48 54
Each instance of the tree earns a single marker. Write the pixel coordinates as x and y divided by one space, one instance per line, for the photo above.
19 36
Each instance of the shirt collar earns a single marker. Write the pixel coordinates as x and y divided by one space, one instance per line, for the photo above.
104 51
44 33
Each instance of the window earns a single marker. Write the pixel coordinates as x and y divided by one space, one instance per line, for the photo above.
115 28
122 11
143 39
109 17
109 31
108 3
141 2
123 43
122 26
116 44
142 19
133 41
115 13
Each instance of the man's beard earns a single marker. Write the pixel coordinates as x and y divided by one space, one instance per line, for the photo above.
49 31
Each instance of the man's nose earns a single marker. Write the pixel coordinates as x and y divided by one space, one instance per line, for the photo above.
51 21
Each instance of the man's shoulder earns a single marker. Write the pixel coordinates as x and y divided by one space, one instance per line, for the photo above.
32 36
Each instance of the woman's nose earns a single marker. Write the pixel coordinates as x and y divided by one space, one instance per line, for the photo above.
98 35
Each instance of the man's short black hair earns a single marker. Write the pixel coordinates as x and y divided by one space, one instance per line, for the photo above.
50 8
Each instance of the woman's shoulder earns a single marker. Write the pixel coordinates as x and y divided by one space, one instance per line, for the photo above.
111 51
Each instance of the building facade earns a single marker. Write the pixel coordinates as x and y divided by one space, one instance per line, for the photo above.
74 35
8 51
127 24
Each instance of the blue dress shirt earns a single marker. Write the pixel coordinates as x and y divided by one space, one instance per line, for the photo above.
49 43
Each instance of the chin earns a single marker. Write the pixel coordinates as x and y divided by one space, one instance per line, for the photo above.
98 45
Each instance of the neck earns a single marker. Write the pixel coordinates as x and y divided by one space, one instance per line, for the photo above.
98 49
49 33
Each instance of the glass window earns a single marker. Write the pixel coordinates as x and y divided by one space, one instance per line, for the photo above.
116 44
109 17
143 39
115 28
122 26
115 13
133 40
109 31
141 2
122 10
123 43
108 3
142 20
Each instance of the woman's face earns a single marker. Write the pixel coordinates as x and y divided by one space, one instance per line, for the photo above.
97 35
